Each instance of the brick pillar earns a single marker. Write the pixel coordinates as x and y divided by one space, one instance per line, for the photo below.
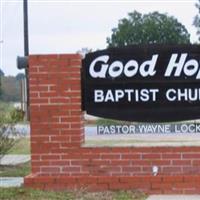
55 110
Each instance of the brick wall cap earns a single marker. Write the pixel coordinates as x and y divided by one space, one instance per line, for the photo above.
68 56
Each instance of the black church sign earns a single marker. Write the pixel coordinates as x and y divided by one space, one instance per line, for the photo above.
143 83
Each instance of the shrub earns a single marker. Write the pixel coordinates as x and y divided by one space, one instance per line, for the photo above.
17 115
8 135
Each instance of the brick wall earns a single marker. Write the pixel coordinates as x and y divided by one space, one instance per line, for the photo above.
57 133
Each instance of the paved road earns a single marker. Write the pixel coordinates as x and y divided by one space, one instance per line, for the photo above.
147 139
14 159
11 181
23 129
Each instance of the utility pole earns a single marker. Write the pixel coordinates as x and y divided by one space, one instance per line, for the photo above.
26 47
26 53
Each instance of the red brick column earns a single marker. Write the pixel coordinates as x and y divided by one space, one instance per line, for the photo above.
55 111
60 162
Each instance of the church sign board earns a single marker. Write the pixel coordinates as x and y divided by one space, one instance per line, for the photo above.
145 83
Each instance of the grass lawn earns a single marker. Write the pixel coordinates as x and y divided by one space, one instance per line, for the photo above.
6 107
16 170
28 194
22 146
145 143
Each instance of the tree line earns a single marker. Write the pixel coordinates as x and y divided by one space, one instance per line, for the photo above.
152 28
10 87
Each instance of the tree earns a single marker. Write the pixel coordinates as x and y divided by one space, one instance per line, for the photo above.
1 73
8 133
20 76
1 92
10 89
84 51
149 28
196 22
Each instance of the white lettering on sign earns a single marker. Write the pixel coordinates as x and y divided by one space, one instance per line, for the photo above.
99 67
116 68
172 128
99 74
190 68
136 95
185 94
145 95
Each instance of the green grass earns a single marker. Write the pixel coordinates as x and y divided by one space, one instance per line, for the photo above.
147 143
9 114
109 142
22 146
6 107
5 110
103 121
28 194
129 195
20 170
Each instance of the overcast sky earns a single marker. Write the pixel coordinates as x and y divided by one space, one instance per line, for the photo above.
68 26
